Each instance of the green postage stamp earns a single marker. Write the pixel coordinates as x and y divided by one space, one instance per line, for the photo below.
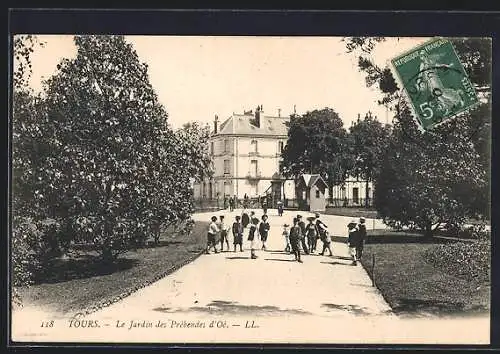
435 81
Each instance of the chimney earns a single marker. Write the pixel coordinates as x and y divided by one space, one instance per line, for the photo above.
216 123
257 116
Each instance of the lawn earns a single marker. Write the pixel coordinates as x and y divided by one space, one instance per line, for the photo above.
414 287
81 283
352 212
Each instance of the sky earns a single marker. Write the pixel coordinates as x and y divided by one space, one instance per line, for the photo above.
198 77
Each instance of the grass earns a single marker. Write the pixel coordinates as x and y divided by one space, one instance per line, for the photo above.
80 283
352 212
414 287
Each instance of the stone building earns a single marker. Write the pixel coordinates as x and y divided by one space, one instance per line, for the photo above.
246 151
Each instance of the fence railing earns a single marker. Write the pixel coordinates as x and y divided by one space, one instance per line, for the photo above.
349 203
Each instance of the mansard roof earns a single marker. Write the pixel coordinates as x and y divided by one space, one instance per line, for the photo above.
241 124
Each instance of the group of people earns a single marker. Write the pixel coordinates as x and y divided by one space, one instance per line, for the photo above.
229 202
299 237
218 231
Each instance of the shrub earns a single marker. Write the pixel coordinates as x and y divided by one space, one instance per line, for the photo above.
469 260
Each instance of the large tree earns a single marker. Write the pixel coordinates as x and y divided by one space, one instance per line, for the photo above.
368 141
28 213
112 147
317 144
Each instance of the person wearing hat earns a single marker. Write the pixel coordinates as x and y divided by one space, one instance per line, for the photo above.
325 237
286 234
264 230
212 232
280 208
311 234
251 235
224 230
295 236
238 233
353 240
362 236
302 226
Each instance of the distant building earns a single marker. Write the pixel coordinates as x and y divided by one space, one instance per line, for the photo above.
246 152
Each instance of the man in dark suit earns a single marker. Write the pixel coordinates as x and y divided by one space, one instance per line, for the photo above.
302 226
362 237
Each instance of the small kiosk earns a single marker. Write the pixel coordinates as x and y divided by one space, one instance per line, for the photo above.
310 193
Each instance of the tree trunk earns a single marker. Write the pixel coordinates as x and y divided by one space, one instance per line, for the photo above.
366 194
428 232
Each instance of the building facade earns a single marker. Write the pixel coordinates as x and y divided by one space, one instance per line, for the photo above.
246 153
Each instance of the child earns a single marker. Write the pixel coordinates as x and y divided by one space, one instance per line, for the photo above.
353 240
264 230
286 233
212 232
223 233
251 235
295 236
238 233
362 234
311 233
280 208
325 237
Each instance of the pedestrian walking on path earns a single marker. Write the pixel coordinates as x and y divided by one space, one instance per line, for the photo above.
280 208
264 231
212 234
362 235
251 235
264 204
238 233
224 231
353 240
286 235
245 219
311 234
302 226
295 237
325 238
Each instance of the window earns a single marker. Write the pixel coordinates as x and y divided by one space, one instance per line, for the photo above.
226 167
355 195
210 190
212 147
254 147
318 194
253 168
280 147
280 166
226 145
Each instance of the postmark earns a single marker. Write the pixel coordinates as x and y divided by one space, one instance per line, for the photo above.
435 82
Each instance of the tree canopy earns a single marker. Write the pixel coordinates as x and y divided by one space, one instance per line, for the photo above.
317 144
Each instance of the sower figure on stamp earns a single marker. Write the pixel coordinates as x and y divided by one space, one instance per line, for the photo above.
264 230
251 235
302 226
362 236
238 233
211 236
224 230
295 236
